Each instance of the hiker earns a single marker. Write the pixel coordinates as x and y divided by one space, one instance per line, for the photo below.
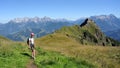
30 42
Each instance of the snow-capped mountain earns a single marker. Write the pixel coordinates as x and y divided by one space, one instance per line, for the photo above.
18 24
36 20
105 22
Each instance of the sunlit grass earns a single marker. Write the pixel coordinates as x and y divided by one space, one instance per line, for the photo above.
101 56
58 51
51 59
12 54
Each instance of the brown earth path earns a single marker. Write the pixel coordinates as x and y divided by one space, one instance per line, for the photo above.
31 64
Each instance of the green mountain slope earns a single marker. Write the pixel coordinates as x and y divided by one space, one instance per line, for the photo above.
12 54
88 33
24 34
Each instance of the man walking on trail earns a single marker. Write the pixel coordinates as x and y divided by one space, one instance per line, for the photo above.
31 45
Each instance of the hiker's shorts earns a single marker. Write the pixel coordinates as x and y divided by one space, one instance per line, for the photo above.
32 47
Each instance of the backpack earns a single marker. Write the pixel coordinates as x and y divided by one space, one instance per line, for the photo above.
28 41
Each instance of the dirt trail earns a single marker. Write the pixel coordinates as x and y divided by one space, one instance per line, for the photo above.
31 64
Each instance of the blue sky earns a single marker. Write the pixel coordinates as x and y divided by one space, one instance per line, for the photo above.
69 9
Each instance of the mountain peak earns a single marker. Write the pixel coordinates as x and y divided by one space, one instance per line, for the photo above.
112 16
19 20
87 21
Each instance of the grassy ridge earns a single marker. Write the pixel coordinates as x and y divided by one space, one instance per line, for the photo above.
12 54
99 56
13 57
17 55
51 59
58 50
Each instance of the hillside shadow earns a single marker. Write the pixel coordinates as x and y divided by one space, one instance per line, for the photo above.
26 54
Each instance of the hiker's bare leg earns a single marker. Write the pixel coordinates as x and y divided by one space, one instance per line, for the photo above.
33 53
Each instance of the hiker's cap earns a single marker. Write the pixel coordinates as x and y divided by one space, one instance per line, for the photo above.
32 34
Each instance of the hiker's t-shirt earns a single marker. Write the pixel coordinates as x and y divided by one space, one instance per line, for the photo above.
31 40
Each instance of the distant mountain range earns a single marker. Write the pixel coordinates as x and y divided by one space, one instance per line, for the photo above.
105 22
19 28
